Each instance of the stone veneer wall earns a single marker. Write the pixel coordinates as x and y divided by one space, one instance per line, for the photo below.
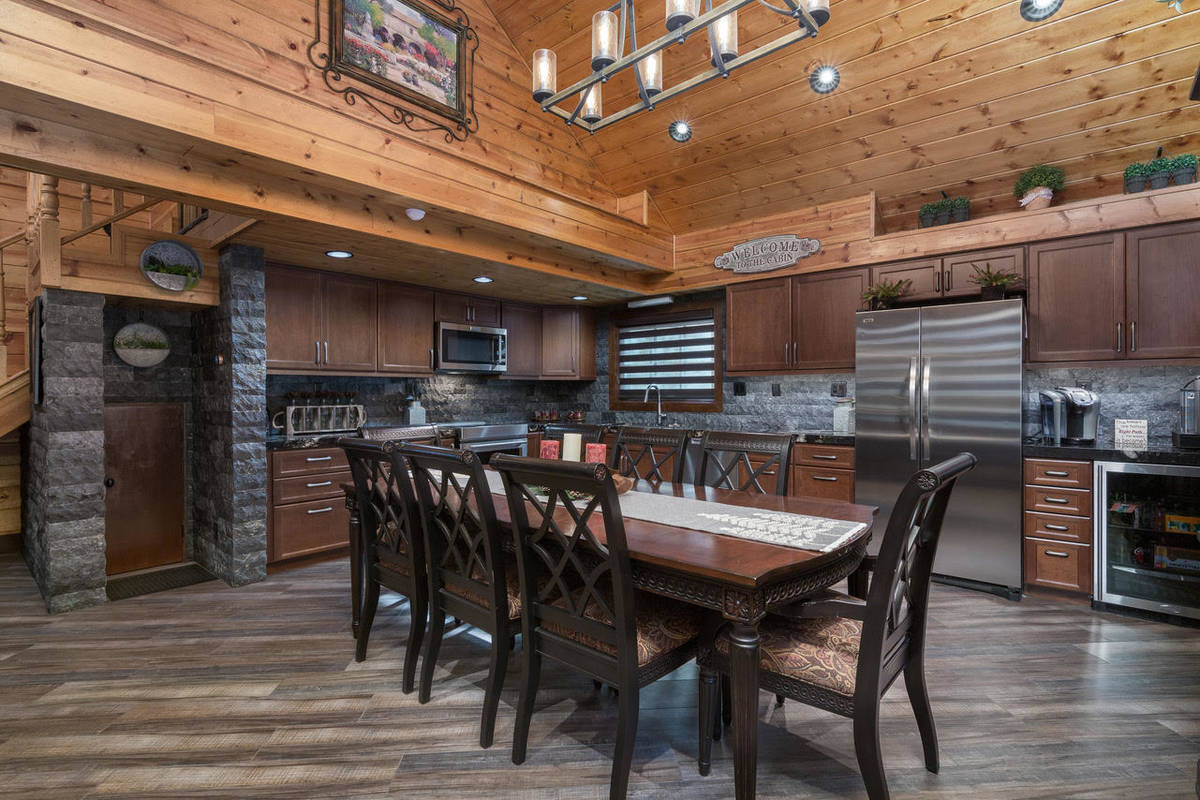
64 469
230 460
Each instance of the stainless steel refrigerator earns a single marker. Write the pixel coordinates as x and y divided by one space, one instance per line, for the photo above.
931 383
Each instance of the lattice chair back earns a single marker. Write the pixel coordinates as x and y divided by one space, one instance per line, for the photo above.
592 434
462 538
647 453
387 508
897 600
727 463
575 574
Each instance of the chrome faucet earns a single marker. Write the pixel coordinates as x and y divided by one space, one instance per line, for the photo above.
662 419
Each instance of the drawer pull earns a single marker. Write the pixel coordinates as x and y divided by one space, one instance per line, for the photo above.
1058 501
824 457
1057 473
1057 553
311 459
330 483
1050 527
324 510
826 478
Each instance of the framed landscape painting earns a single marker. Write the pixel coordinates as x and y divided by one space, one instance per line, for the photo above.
405 48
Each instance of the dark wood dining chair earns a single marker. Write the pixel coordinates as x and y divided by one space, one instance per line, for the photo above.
387 544
650 454
592 434
842 654
581 609
470 578
728 460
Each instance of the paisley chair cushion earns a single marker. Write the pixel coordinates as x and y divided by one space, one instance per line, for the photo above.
822 652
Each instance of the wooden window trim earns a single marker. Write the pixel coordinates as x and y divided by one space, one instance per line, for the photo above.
667 314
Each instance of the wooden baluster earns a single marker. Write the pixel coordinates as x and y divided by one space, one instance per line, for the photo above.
48 237
85 206
118 201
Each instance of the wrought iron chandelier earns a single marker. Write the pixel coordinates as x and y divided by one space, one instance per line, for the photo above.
610 27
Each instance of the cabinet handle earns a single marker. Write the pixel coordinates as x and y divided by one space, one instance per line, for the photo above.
1062 528
326 352
1057 553
1058 501
825 478
1057 473
318 345
937 282
1120 336
795 354
786 359
324 510
949 280
311 459
824 457
1133 337
319 483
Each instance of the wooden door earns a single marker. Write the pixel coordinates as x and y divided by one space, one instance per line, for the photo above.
294 323
926 277
453 308
351 317
823 308
1162 291
144 485
524 325
485 311
560 342
758 326
1077 299
406 329
959 269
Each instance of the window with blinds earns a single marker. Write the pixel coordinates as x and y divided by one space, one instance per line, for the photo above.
676 353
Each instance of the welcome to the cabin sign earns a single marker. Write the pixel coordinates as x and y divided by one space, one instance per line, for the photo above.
768 253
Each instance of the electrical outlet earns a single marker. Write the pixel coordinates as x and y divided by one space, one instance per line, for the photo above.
776 390
837 389
739 388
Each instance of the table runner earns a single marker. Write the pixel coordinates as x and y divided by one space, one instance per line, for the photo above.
772 527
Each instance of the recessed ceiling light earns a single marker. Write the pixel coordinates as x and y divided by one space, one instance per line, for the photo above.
415 214
482 279
339 254
579 297
824 79
680 130
1037 10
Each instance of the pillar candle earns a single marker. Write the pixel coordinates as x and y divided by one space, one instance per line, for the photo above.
549 450
572 446
596 454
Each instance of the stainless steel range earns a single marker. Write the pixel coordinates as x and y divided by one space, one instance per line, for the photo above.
488 439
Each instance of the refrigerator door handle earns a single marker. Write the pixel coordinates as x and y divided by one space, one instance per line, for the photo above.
912 408
926 445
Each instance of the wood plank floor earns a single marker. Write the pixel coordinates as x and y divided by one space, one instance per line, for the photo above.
253 692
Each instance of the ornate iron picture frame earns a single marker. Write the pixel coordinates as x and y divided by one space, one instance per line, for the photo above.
358 54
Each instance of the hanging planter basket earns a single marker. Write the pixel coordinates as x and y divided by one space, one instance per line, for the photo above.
141 345
172 266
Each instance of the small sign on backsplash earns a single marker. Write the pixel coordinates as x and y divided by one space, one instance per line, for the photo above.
1131 434
768 253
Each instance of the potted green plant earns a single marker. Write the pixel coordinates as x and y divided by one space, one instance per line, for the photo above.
1037 185
885 293
1183 169
1160 172
927 214
944 208
1136 175
173 276
960 209
994 284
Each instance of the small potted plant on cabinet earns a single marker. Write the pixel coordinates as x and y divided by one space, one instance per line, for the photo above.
1160 172
960 209
884 293
1037 185
927 214
944 210
994 284
1135 177
1183 169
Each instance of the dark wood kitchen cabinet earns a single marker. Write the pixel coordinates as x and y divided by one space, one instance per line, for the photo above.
958 270
568 343
925 277
758 327
350 339
308 512
823 328
1162 291
468 310
524 326
319 321
1077 299
406 329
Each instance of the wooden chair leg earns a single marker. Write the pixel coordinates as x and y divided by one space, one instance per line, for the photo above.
918 695
417 620
627 723
708 719
437 627
370 604
531 671
860 580
866 748
491 697
356 579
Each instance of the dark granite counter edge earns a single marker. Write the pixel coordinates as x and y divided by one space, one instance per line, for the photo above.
1172 456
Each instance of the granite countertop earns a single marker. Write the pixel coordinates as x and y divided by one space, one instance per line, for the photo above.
825 437
278 441
1163 453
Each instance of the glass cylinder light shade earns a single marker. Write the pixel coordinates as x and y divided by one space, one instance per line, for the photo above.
681 12
593 108
545 74
604 39
650 69
725 31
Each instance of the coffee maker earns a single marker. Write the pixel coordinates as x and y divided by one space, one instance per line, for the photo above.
1070 416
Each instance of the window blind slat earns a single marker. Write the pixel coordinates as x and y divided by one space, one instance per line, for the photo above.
678 355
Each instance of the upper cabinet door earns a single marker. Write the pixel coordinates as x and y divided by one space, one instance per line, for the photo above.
958 270
823 310
1077 299
405 329
758 326
1162 285
560 342
524 325
350 320
485 311
926 277
453 308
294 318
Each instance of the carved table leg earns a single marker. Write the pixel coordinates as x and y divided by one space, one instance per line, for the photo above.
743 669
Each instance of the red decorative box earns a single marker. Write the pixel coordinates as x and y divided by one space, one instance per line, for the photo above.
549 449
596 454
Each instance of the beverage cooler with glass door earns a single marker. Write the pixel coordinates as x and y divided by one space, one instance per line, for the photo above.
1148 525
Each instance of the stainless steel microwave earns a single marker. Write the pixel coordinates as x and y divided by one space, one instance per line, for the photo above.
471 348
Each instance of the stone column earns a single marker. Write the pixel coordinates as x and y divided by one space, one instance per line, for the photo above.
64 474
230 472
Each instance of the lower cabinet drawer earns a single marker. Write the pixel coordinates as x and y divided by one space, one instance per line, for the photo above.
311 487
1058 565
289 463
829 484
1052 526
303 529
1076 502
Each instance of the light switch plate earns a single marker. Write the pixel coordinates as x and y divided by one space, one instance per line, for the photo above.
837 389
776 390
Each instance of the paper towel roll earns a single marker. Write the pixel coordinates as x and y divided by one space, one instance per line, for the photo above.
572 446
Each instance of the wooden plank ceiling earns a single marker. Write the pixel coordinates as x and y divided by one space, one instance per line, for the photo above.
935 95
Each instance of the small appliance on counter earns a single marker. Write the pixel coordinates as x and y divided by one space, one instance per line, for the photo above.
414 412
1070 416
300 420
1188 435
843 415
